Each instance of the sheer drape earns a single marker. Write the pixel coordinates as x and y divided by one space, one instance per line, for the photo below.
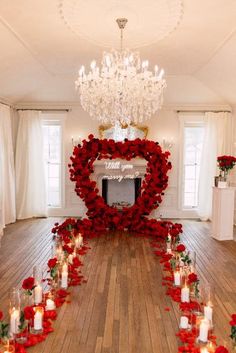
30 175
7 173
218 140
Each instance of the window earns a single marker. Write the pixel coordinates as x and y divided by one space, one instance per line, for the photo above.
193 142
52 157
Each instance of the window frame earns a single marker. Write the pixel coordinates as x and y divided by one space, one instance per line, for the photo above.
57 118
194 119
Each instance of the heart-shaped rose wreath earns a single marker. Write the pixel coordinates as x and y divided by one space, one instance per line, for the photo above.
153 185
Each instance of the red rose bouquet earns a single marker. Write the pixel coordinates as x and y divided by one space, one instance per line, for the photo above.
28 285
52 264
3 327
233 327
226 163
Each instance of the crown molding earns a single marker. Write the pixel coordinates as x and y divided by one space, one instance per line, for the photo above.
76 104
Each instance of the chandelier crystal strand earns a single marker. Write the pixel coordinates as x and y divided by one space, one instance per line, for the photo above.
123 90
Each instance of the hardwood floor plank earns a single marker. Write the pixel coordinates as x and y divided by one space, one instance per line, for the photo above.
121 308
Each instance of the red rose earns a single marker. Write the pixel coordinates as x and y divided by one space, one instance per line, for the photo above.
68 249
180 248
233 321
29 312
192 277
221 349
52 262
1 315
28 283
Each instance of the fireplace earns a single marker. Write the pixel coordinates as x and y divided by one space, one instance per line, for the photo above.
121 193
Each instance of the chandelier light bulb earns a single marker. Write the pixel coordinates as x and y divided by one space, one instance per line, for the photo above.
82 70
93 65
161 74
122 90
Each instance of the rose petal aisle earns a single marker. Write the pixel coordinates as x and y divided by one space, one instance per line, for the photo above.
183 287
32 314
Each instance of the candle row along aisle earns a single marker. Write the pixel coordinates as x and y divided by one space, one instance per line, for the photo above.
33 308
196 303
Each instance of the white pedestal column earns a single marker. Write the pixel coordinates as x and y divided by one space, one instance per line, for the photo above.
223 213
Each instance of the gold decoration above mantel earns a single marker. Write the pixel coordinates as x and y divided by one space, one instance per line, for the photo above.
131 131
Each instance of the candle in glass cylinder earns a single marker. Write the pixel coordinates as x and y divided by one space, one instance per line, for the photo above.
80 240
38 294
14 321
177 278
38 319
77 242
185 294
208 311
64 276
70 259
203 330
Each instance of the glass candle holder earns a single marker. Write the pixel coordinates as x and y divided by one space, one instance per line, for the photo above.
64 275
14 312
37 324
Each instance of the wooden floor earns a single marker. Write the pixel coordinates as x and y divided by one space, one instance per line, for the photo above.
121 309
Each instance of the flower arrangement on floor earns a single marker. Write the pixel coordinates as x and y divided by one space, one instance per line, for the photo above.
233 330
33 309
134 218
195 304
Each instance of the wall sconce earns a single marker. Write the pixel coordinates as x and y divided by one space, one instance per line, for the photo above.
76 140
167 144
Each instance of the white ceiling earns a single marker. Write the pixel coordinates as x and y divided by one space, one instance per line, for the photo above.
40 54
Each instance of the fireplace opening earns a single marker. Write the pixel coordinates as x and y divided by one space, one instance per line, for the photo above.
122 193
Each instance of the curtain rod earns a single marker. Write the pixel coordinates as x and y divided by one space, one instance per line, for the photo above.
204 111
45 110
8 105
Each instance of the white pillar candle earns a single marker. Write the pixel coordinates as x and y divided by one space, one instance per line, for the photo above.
77 242
38 320
70 259
80 240
203 330
65 267
177 278
38 294
50 304
208 311
14 321
183 322
64 279
204 350
185 294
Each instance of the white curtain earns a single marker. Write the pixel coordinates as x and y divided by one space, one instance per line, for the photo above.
7 172
30 175
218 140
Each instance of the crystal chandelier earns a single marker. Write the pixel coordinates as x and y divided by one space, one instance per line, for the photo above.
123 90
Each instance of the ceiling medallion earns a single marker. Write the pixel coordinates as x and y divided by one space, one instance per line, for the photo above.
149 21
123 90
